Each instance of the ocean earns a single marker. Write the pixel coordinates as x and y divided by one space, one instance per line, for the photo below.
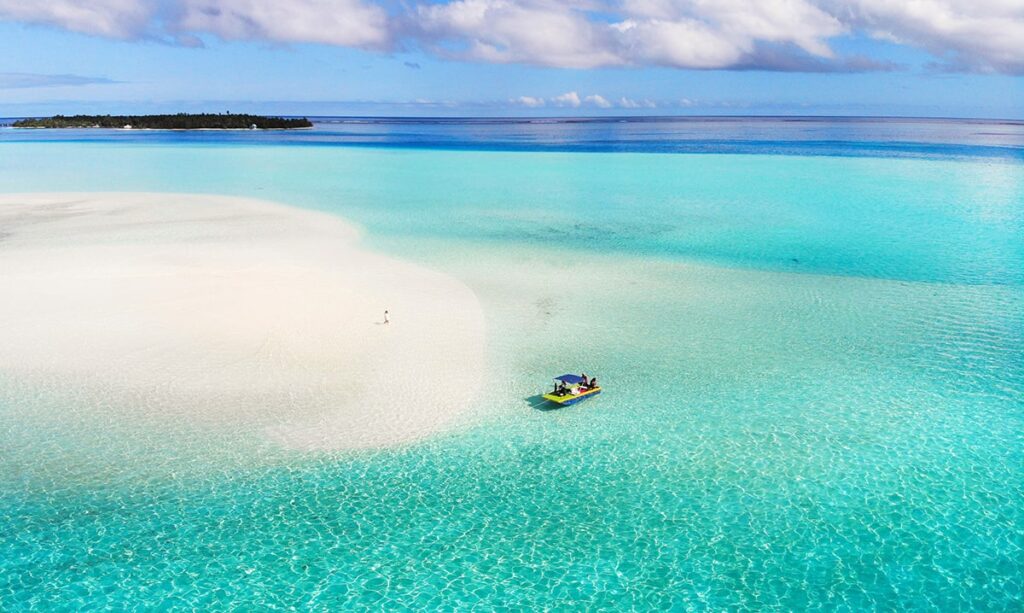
810 332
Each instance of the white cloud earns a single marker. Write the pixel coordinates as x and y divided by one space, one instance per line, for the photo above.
110 18
598 101
695 34
574 100
748 34
529 101
679 33
982 35
629 103
347 23
568 99
545 32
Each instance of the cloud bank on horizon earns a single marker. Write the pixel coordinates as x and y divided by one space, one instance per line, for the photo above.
785 35
17 80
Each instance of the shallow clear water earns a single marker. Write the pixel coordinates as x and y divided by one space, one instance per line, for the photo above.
814 368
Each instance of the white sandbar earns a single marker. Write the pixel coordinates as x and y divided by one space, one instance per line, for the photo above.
226 311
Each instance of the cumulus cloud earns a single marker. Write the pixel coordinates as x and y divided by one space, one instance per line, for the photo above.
598 101
575 100
529 101
698 34
788 35
568 99
111 18
545 32
982 35
347 23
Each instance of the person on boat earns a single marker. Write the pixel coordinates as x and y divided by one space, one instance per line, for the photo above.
593 383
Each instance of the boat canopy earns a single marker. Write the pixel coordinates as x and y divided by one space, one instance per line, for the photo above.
570 379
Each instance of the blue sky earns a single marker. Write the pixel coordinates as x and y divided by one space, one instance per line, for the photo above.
514 57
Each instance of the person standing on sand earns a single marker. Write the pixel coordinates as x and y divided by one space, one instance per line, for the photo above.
386 320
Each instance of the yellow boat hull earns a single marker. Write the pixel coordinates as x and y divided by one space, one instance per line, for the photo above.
572 398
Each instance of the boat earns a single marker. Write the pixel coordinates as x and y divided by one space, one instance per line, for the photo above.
570 389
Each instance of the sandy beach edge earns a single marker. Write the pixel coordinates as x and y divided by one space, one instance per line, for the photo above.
228 312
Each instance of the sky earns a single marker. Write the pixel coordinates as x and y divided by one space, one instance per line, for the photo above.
946 58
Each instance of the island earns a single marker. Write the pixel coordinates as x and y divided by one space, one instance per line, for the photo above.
178 121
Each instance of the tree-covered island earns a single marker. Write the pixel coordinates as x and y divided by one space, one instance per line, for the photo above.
179 121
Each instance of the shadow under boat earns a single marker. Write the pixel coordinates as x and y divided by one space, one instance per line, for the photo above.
538 403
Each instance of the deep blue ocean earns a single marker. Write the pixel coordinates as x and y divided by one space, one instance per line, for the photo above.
835 136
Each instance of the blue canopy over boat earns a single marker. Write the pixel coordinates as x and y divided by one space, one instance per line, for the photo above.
571 379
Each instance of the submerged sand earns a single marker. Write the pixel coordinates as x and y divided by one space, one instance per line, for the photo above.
225 312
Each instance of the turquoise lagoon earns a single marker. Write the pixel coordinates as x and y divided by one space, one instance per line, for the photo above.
814 367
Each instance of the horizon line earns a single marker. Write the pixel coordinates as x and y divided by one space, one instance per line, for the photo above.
561 118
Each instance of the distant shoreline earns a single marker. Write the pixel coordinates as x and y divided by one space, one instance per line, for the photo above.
178 121
134 129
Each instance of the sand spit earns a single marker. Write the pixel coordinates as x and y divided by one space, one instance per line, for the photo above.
228 312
